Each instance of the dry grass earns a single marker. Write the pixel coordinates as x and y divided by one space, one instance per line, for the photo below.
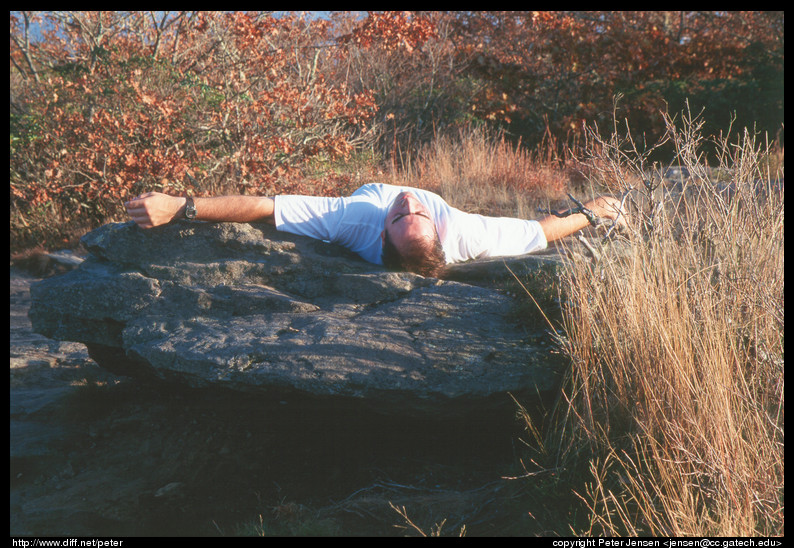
482 173
672 420
676 391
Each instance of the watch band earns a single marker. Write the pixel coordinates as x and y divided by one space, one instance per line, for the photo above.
190 208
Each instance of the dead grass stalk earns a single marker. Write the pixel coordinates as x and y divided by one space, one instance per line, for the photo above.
676 390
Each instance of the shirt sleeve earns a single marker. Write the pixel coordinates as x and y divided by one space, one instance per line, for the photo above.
478 236
354 222
314 216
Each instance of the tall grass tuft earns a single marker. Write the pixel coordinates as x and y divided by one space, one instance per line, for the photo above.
479 172
675 396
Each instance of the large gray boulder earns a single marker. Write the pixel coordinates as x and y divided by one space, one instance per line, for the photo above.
248 308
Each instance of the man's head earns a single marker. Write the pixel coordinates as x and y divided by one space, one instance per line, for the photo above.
410 239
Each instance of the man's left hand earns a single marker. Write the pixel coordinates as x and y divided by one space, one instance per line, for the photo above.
154 209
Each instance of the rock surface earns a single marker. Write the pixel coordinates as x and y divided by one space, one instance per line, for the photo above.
244 307
93 454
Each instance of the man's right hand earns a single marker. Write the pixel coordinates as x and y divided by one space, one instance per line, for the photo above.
154 209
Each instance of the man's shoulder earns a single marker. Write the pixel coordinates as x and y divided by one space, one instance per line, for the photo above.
374 187
379 192
392 190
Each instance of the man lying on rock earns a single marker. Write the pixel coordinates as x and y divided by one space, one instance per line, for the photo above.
401 228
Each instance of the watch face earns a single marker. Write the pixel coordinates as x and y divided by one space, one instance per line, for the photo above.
190 209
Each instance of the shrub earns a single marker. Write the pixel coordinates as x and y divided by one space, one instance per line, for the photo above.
114 104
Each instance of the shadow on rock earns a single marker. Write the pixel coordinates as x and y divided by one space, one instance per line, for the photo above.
155 460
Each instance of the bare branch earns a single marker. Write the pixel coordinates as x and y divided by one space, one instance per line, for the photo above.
24 47
591 217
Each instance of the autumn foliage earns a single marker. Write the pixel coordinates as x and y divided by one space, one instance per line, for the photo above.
109 104
564 69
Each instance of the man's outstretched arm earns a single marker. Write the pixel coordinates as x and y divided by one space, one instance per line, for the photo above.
155 209
555 227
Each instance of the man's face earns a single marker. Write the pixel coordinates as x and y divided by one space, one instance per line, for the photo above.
407 220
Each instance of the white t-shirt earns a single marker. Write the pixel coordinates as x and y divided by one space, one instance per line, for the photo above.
356 222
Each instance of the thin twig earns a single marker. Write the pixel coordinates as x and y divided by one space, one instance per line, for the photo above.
591 217
531 474
619 212
590 249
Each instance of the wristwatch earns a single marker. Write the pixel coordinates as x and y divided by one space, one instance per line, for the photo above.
190 208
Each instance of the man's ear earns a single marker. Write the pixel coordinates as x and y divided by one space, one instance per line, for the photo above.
382 237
